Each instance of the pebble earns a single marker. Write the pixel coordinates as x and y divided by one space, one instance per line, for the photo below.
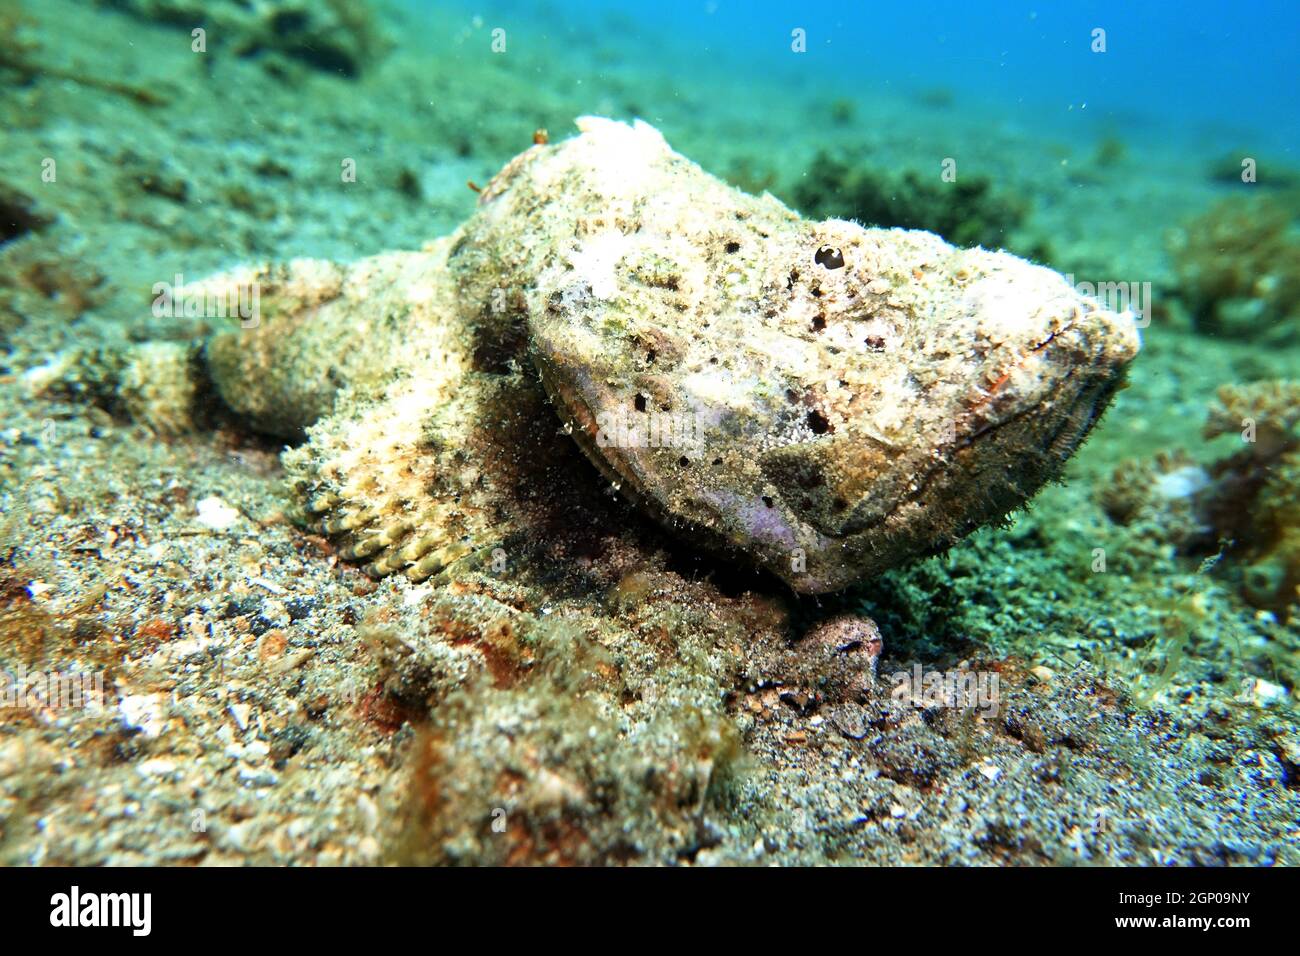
258 777
143 712
157 767
241 713
216 514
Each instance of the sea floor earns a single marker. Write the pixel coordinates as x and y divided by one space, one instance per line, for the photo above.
265 702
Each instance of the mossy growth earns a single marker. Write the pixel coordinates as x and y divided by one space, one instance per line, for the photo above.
968 211
843 111
752 174
543 772
1244 507
16 46
1110 151
339 37
71 636
1238 269
22 219
18 52
1256 495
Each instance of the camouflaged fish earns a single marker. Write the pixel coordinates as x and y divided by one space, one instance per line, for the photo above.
827 400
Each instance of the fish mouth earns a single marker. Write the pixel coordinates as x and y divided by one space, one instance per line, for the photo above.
1012 437
1017 422
870 478
1042 443
581 423
928 521
1014 433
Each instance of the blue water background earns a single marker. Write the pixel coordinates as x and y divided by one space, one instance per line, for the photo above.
1206 73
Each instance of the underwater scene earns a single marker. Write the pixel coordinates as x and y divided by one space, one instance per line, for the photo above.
693 433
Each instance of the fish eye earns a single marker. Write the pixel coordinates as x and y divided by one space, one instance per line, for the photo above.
828 257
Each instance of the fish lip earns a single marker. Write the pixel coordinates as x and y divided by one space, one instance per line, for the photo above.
839 576
582 426
1093 397
1110 346
618 469
973 427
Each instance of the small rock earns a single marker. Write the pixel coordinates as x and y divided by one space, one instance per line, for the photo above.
1265 693
143 712
157 767
216 514
241 713
258 777
272 645
299 608
290 661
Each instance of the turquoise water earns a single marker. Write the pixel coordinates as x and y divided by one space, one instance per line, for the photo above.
1185 70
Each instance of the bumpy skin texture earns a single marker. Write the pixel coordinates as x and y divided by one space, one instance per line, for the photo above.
828 400
856 397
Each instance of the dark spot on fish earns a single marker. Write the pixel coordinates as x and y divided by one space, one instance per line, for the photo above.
828 257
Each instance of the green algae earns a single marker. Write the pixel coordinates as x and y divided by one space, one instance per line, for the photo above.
968 211
1238 269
